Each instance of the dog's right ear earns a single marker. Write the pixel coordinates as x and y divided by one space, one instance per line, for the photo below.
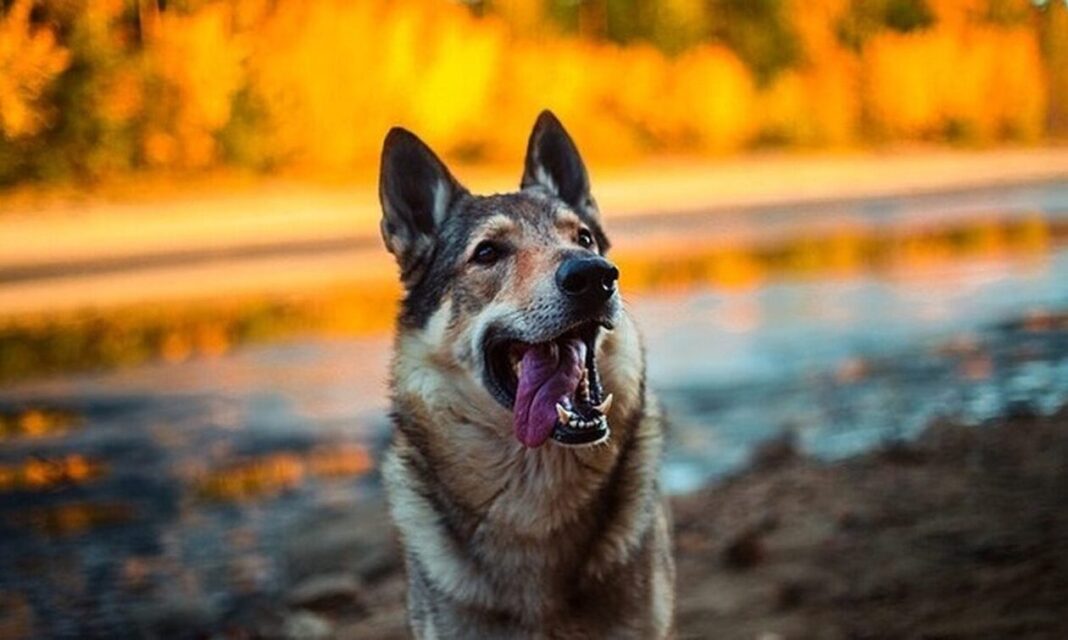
553 163
417 192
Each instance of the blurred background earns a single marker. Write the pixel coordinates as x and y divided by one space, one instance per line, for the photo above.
838 222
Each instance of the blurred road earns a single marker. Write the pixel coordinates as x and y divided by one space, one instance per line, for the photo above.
284 237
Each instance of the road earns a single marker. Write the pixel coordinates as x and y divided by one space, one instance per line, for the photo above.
279 237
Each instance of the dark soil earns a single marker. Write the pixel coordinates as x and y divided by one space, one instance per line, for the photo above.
960 534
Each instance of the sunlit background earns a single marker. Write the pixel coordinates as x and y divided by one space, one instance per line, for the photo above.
836 219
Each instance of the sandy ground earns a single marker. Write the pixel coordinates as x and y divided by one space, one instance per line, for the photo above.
70 251
961 534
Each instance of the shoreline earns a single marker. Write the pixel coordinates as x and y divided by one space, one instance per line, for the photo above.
960 533
270 238
201 213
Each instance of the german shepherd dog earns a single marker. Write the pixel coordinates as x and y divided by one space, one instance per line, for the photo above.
522 473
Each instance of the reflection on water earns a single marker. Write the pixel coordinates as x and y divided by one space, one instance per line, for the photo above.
681 256
40 474
35 423
170 489
207 468
73 518
274 473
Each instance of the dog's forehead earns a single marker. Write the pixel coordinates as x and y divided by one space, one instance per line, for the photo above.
524 210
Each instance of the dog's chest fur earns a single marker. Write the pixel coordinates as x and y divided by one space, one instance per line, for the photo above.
502 541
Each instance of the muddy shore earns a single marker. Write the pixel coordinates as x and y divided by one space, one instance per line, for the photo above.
962 533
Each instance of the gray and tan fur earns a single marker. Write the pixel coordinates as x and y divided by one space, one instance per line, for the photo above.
500 540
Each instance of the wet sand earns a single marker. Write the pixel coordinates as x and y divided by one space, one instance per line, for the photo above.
962 533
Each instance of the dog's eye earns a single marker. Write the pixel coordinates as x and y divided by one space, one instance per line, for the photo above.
486 253
585 239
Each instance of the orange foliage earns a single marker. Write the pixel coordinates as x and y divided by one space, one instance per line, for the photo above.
201 61
971 81
314 85
814 105
330 72
30 59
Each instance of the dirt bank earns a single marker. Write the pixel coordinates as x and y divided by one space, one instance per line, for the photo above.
961 534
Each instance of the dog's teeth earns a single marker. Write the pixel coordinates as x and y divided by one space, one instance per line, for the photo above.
584 386
564 415
605 405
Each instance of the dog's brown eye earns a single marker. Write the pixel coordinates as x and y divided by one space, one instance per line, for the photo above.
486 253
585 239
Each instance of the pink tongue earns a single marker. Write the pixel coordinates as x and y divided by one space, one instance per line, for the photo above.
547 376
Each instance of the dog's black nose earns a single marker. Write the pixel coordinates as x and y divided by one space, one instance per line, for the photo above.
589 279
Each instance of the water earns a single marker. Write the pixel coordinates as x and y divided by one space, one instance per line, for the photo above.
171 490
848 365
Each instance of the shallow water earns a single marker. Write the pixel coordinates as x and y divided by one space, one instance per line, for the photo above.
172 489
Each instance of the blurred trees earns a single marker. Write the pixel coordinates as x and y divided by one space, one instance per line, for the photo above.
1054 29
31 59
93 88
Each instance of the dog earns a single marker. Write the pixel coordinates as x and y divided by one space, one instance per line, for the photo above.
522 470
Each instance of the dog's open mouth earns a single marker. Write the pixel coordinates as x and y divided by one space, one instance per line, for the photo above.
553 387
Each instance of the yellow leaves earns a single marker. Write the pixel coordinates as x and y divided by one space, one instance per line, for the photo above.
122 97
1017 92
818 104
975 82
30 59
202 63
461 64
325 80
334 75
312 86
716 93
332 72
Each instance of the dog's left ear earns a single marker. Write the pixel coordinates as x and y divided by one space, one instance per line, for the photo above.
553 162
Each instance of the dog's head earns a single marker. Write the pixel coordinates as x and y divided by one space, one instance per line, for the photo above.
508 297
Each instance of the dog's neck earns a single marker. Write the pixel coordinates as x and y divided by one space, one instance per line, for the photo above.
484 479
465 439
543 522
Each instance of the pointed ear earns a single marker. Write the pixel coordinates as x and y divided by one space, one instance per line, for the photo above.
553 162
417 193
